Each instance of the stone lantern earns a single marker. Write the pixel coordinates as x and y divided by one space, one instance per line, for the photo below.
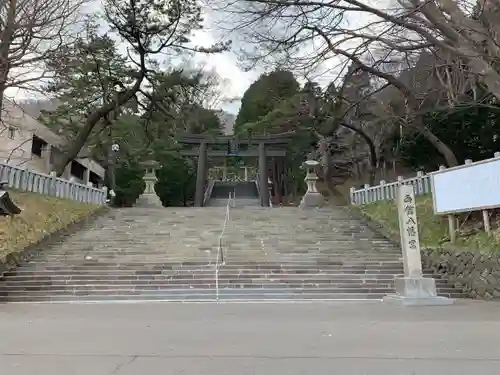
149 197
312 197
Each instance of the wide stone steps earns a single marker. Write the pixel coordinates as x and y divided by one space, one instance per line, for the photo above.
158 269
196 290
195 281
170 255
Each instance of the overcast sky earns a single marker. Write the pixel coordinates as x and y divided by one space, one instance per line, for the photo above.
236 81
226 65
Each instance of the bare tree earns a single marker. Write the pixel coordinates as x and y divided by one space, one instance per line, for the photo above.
384 41
30 32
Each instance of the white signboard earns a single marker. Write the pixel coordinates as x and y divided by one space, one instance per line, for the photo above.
470 187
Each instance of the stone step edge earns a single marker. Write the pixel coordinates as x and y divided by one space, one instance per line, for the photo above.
210 291
166 277
230 261
13 280
207 298
207 290
207 275
150 266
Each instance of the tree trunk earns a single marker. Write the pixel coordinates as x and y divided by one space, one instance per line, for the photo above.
441 147
92 120
6 38
371 148
326 162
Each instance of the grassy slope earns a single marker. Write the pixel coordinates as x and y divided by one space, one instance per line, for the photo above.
434 229
41 215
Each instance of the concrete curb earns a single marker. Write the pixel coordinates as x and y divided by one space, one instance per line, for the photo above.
12 260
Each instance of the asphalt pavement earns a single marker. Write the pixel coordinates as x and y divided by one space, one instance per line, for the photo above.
249 338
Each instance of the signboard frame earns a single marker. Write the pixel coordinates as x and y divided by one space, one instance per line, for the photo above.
448 170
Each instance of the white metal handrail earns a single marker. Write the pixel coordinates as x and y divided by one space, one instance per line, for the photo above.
221 259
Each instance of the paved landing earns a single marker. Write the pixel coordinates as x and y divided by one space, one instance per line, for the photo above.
243 339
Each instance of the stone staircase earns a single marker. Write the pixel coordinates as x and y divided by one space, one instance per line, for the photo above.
246 194
169 255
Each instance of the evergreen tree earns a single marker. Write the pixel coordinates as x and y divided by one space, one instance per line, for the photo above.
264 95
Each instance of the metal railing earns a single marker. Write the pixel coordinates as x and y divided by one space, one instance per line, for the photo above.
221 258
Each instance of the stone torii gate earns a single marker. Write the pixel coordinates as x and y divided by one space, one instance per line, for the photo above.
204 146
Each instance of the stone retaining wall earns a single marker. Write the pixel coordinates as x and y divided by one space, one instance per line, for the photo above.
476 273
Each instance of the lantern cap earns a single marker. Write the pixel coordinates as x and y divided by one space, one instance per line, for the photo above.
311 163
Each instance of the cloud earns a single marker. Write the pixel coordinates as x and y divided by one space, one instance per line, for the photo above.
226 66
235 80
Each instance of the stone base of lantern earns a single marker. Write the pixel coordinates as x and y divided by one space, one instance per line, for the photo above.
419 291
149 201
311 199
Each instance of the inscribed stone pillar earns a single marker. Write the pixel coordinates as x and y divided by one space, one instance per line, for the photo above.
413 288
201 175
263 184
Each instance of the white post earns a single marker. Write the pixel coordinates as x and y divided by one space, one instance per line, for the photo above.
104 195
246 174
366 197
53 184
413 288
382 190
352 190
420 185
486 222
452 228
